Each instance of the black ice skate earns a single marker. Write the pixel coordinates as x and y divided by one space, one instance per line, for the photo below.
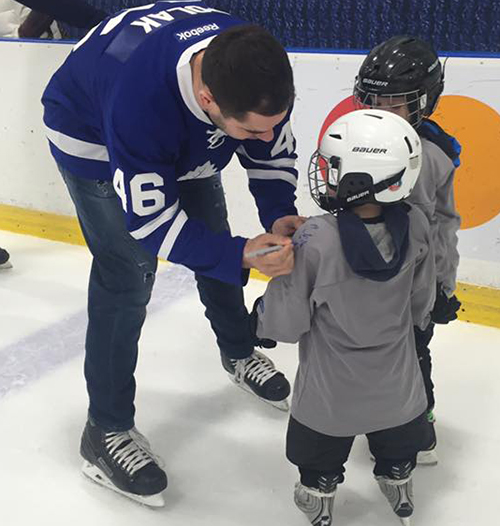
4 260
317 504
398 489
258 375
123 462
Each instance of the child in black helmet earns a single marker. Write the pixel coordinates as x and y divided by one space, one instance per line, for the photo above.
404 75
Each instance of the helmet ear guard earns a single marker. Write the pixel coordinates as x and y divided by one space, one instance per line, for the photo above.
358 188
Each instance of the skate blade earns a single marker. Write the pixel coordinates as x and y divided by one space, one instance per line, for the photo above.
5 266
97 476
282 405
427 458
406 521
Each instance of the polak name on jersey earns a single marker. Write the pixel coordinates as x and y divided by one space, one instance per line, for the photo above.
156 20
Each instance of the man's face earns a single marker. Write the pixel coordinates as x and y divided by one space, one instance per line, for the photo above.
253 126
395 105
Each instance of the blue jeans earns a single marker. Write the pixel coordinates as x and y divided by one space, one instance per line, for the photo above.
120 286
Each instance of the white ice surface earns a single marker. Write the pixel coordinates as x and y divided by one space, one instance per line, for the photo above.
224 450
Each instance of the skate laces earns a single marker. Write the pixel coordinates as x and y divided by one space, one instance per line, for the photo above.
257 368
128 450
136 435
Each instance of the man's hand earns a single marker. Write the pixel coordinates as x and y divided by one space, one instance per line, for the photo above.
288 225
274 264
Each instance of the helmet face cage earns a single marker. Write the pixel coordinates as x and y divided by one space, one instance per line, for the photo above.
415 102
323 181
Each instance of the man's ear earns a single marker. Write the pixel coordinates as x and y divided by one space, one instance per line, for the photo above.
206 98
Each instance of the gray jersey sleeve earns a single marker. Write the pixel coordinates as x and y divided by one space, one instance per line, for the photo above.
448 224
423 294
285 311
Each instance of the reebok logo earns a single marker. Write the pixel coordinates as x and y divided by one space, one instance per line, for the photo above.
196 32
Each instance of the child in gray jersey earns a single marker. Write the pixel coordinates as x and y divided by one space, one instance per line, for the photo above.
364 275
403 75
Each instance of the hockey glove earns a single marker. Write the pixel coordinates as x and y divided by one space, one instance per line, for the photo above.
445 309
266 343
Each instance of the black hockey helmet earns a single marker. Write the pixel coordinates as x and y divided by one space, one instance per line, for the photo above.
401 67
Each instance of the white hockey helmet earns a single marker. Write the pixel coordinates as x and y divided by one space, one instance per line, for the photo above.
366 156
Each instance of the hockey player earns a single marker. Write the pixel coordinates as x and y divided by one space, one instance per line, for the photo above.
364 273
404 75
141 118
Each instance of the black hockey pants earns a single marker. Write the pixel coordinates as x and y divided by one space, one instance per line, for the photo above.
317 455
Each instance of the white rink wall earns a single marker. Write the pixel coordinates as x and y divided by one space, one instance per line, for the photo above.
29 178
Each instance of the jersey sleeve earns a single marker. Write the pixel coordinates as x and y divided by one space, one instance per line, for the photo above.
286 309
142 127
446 215
271 173
448 224
423 293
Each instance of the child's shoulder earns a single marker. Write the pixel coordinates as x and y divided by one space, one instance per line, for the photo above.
430 131
316 232
419 224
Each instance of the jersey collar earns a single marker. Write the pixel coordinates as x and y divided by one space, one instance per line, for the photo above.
185 80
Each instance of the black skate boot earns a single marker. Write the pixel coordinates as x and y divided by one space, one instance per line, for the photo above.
317 504
398 489
4 259
123 462
258 375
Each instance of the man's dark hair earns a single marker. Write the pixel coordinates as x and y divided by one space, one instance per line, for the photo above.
247 69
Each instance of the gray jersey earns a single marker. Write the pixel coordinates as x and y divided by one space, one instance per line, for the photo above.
358 369
433 194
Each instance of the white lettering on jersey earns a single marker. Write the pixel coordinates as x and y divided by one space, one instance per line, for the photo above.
146 23
284 142
119 186
145 201
113 22
165 16
186 35
150 22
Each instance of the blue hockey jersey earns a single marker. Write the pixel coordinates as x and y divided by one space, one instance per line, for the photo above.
122 108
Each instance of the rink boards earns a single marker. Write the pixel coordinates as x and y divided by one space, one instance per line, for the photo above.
34 200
